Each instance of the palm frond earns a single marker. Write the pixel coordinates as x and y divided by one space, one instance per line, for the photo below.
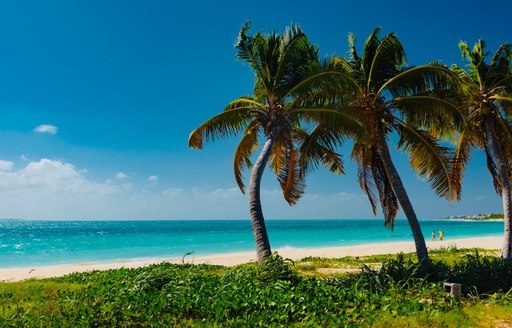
370 47
428 158
505 81
277 159
344 121
461 157
233 120
476 57
469 84
374 181
290 177
246 147
247 47
329 77
502 57
440 117
352 52
388 198
491 166
296 56
387 61
505 102
503 130
420 79
360 154
502 99
247 102
464 50
269 53
317 148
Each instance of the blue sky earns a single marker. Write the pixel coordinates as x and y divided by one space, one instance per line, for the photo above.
98 99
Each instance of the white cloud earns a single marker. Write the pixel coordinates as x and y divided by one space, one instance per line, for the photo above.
54 189
153 178
221 193
6 165
121 175
23 157
46 128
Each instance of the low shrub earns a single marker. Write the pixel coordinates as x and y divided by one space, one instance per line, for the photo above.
272 294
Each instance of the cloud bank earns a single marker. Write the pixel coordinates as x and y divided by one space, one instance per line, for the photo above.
53 189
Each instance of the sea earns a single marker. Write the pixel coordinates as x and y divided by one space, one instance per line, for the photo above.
26 243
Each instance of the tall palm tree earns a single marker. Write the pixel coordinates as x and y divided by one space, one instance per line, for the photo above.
288 77
488 104
392 98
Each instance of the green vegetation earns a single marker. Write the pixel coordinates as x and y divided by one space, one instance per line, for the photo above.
385 291
478 217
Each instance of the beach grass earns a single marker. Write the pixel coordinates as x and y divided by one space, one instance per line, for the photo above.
322 266
385 291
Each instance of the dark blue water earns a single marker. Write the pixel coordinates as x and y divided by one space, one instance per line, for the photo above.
31 243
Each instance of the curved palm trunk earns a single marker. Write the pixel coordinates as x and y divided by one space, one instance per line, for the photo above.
263 250
505 188
405 203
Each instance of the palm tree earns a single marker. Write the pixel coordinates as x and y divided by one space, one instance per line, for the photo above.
488 104
288 76
391 98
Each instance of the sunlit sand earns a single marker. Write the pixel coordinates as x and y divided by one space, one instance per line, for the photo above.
230 259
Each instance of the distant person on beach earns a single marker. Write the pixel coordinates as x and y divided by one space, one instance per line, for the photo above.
441 234
433 235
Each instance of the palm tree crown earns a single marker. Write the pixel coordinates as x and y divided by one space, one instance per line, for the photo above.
392 98
488 104
288 76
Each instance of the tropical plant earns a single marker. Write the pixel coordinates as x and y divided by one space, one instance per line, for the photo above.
392 98
274 294
488 107
289 79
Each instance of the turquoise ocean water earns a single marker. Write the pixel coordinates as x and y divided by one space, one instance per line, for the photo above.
32 243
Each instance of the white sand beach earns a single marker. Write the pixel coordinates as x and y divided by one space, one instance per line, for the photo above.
230 259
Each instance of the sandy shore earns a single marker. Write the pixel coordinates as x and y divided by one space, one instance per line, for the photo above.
16 274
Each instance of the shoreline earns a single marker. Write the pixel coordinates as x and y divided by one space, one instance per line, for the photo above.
235 258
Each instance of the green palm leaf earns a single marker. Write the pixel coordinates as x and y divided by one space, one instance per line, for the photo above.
338 121
419 80
230 122
462 155
491 166
389 56
223 125
317 148
244 150
374 181
292 66
428 158
437 115
290 176
246 46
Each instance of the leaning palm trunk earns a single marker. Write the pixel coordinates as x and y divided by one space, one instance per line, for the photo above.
405 203
505 188
263 250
